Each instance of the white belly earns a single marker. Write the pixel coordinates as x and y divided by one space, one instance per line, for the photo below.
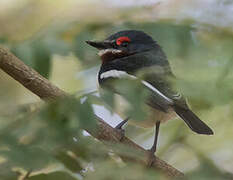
154 115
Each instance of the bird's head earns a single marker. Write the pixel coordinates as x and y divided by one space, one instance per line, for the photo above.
123 44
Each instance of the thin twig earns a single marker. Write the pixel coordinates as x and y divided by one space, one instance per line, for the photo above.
27 175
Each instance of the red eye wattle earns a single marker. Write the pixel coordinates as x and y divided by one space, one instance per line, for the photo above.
120 40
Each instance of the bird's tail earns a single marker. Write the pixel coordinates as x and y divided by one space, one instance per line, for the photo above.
193 121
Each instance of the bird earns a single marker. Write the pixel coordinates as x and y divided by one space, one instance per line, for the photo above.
124 55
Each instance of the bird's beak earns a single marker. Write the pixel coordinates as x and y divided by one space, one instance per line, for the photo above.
100 45
107 49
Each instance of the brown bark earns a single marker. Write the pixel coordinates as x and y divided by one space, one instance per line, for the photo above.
40 86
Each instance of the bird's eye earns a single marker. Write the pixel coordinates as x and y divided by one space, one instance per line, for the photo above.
124 44
123 41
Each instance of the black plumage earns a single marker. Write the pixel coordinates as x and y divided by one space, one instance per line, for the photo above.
134 54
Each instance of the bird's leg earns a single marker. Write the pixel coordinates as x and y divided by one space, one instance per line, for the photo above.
153 148
120 125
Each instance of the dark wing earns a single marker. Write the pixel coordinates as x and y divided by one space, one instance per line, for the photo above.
111 79
162 96
161 83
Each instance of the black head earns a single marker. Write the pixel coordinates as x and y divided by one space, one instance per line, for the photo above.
122 44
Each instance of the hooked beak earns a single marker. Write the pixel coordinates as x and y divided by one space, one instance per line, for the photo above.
100 45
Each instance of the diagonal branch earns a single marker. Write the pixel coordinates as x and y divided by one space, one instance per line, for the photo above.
40 86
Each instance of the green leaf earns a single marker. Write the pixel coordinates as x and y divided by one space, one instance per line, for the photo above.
69 162
59 175
25 52
208 171
85 115
6 172
42 58
37 158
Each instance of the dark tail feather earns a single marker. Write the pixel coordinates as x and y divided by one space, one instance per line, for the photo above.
193 121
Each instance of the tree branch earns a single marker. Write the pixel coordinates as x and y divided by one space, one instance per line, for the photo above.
40 86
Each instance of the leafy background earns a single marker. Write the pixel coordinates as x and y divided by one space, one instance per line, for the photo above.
47 140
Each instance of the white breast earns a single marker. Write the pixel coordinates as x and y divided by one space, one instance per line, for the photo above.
116 74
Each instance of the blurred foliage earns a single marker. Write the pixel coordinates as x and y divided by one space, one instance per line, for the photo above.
37 52
48 142
55 175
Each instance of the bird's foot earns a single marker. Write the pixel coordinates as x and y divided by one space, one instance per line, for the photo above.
121 132
150 157
119 128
